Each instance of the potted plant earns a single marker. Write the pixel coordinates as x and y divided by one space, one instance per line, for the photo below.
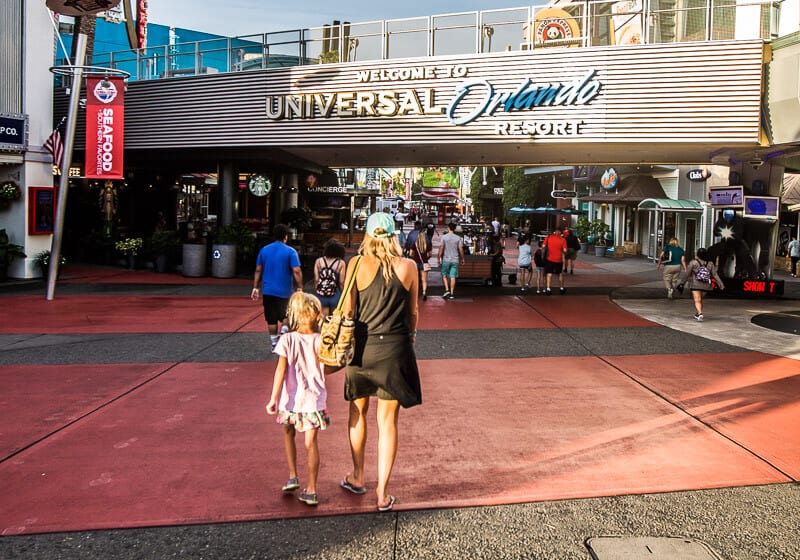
298 220
9 192
162 245
223 251
130 247
42 261
582 229
8 252
598 230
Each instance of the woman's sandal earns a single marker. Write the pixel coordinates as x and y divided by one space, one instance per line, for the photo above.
388 506
352 487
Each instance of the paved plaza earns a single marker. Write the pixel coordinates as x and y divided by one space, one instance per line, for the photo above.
133 424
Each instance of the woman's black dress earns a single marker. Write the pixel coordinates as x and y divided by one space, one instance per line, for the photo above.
384 363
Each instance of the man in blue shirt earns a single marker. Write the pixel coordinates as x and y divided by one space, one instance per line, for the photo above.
277 266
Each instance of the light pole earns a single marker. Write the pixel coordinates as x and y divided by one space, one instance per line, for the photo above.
82 8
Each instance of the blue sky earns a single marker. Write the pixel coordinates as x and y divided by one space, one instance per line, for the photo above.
247 17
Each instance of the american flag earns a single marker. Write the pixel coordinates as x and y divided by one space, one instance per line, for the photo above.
54 145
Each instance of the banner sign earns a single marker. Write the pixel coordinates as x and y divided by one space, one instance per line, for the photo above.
105 119
13 129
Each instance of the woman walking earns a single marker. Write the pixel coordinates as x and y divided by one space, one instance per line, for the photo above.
384 308
674 262
700 273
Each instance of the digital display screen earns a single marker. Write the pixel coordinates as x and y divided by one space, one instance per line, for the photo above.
761 207
726 196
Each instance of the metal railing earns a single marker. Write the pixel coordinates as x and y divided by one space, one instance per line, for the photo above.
555 25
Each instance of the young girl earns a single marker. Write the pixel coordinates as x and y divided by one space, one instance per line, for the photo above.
524 263
298 390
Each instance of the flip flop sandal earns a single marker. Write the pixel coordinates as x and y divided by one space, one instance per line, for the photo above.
352 487
389 506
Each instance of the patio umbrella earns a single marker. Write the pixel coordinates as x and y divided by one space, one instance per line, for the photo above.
521 210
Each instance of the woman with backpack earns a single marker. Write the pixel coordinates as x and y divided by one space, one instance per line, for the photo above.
329 275
701 274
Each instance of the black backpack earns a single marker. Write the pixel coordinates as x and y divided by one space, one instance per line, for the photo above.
328 281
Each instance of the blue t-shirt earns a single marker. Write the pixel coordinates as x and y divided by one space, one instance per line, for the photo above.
277 261
675 253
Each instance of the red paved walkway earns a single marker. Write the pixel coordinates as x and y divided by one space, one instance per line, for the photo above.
93 446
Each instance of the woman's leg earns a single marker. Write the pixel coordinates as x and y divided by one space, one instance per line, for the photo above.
697 296
424 274
290 449
313 460
357 426
388 412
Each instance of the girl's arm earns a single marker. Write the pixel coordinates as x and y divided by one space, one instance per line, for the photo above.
277 385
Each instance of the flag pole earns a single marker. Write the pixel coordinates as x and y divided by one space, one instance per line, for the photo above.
66 161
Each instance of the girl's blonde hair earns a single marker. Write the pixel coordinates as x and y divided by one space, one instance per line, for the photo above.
302 308
385 249
674 242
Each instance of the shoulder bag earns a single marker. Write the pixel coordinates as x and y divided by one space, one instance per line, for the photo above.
336 337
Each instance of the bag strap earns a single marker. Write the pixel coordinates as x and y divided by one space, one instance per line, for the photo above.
348 286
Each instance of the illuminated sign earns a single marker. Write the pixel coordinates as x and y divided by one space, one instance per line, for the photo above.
767 207
609 179
698 175
754 287
564 194
726 196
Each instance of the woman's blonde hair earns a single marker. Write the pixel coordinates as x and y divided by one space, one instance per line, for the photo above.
385 249
302 308
674 242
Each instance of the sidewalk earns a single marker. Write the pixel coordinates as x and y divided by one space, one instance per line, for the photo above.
133 425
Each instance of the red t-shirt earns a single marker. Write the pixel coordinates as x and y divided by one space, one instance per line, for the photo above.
556 245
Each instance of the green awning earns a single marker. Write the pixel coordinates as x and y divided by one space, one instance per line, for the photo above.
670 205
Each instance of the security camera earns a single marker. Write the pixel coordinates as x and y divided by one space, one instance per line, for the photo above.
756 163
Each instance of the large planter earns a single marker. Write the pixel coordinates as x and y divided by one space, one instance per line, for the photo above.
223 260
584 247
194 260
599 251
160 262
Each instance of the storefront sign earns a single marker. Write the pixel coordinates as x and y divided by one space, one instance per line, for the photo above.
754 287
105 119
259 185
474 98
12 131
564 194
698 175
332 189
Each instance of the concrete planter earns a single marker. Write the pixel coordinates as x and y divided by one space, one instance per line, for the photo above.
194 260
599 251
223 260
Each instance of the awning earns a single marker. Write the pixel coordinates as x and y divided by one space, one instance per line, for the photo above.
790 194
630 190
671 205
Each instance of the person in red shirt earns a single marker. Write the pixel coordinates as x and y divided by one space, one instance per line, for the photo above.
556 248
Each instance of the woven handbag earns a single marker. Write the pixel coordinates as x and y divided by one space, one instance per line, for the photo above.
336 339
